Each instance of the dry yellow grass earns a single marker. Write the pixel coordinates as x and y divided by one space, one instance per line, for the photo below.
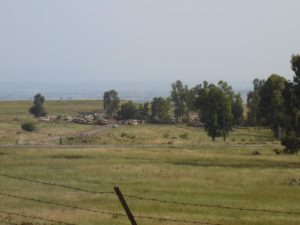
207 175
189 169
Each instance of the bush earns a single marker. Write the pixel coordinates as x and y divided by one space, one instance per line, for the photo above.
166 135
184 136
124 135
129 136
29 126
70 138
291 143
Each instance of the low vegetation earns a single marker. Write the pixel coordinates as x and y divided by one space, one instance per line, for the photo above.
167 154
230 176
29 126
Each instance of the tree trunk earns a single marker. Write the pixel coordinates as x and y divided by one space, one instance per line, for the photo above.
279 132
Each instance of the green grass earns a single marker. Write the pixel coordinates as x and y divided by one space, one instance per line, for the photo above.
175 163
14 113
172 135
207 175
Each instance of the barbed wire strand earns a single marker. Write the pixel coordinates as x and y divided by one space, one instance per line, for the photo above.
107 212
212 206
154 199
56 185
61 204
34 217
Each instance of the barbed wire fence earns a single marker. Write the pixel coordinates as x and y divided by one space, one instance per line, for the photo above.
122 215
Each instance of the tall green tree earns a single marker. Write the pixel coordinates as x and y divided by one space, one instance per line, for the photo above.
191 99
295 62
253 99
128 110
179 94
291 138
160 110
272 105
111 102
237 109
214 105
38 109
144 111
226 116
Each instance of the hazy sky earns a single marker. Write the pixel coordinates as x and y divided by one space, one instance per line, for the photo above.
147 40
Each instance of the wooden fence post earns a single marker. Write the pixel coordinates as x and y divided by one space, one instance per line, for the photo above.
125 206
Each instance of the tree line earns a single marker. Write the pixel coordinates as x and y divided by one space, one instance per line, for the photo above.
273 103
217 107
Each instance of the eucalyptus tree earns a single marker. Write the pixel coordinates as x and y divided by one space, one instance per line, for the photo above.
237 109
38 109
160 110
111 102
272 106
214 104
179 95
253 99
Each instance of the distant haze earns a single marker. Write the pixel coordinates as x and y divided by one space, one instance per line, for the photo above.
143 44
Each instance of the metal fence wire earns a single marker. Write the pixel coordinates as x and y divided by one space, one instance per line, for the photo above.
122 215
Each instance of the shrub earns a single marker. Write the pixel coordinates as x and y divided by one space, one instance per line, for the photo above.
166 135
124 135
291 143
29 126
277 151
184 136
129 136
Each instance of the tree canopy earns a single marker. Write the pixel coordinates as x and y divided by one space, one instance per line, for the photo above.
160 110
111 103
128 110
214 104
179 94
237 110
37 109
272 105
253 99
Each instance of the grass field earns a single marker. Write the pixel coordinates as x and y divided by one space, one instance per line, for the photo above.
191 169
226 176
13 114
172 135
